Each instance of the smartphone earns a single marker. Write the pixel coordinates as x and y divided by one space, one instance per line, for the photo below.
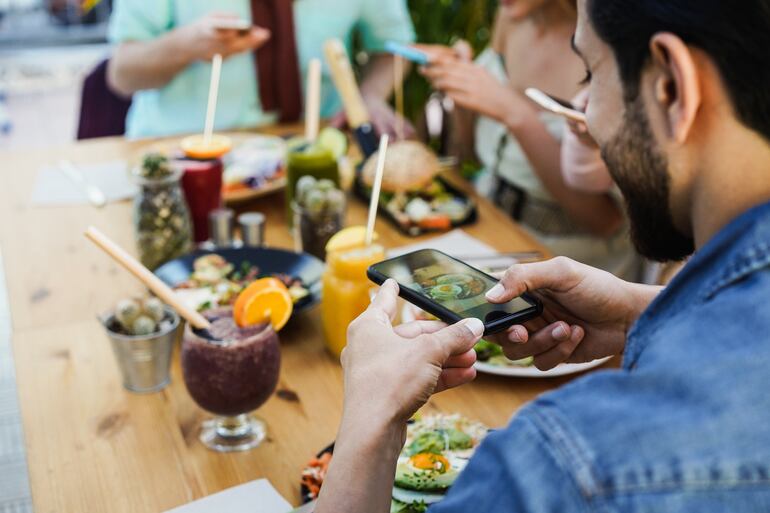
407 52
452 290
242 26
555 105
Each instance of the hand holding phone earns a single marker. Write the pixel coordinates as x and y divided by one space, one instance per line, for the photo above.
452 290
239 25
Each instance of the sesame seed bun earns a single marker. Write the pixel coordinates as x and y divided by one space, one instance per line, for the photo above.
409 166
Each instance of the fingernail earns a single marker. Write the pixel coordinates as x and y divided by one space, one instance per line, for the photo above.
475 325
560 333
515 337
496 292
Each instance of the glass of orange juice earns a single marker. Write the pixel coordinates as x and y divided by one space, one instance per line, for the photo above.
345 287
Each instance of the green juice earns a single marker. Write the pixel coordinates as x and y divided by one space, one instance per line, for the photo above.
315 161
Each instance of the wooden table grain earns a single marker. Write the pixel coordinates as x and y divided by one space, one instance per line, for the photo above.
91 445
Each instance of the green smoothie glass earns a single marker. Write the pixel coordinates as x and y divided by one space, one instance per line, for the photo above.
312 160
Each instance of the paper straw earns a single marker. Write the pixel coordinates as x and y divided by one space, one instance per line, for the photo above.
211 108
313 99
375 200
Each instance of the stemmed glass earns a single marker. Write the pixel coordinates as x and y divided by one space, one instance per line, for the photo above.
231 371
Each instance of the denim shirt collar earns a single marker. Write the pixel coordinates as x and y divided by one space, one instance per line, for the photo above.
736 251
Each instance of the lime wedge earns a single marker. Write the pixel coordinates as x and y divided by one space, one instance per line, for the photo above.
334 141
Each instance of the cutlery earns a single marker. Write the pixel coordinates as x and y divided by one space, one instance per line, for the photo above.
95 195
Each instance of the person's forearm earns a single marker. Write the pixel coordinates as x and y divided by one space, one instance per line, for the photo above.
137 65
379 76
596 213
361 473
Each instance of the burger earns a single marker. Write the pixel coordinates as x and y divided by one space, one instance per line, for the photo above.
412 192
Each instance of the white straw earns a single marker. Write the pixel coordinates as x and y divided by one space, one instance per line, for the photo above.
376 189
211 108
398 86
312 99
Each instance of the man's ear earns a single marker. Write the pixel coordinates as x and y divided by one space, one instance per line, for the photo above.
676 83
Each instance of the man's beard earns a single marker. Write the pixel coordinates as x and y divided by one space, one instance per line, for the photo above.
641 173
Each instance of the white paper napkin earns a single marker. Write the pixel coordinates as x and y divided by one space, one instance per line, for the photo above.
53 188
459 244
254 497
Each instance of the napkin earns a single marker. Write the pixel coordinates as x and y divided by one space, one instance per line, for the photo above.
459 244
53 188
254 497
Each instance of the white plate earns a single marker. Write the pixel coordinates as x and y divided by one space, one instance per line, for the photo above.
532 372
564 369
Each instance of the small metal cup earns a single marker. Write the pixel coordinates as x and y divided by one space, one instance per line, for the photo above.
252 229
144 360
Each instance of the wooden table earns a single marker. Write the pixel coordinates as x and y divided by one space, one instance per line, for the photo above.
91 445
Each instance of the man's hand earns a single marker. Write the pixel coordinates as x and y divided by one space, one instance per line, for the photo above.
389 373
587 312
392 372
202 39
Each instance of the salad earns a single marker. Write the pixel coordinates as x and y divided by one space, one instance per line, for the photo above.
437 449
216 282
486 351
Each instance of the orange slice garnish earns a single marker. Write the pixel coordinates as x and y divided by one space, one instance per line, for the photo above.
265 300
195 147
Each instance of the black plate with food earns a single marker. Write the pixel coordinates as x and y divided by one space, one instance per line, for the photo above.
414 196
437 449
206 279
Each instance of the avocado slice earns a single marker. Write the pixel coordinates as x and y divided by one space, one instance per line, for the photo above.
439 440
424 480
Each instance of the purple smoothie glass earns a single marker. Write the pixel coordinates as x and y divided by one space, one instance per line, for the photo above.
231 373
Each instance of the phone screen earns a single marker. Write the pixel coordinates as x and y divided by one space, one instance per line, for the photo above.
452 284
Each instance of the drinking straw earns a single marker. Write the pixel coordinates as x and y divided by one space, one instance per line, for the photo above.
376 189
211 107
398 86
132 265
313 100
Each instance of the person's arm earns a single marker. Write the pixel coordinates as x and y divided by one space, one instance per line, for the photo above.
379 76
151 64
587 312
517 469
474 88
389 374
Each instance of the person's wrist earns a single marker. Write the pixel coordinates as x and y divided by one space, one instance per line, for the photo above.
517 113
184 41
372 429
641 297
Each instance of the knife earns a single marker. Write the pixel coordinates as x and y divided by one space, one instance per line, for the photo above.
95 195
355 110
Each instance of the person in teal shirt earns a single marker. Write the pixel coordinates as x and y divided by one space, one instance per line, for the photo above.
164 49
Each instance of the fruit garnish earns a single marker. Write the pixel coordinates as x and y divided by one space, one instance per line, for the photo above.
264 300
348 238
196 148
333 140
430 461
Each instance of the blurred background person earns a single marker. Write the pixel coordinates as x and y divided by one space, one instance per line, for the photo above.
164 48
519 146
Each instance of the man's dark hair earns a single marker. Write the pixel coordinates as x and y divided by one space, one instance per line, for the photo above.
736 35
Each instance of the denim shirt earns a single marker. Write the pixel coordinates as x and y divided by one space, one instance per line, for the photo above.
684 426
